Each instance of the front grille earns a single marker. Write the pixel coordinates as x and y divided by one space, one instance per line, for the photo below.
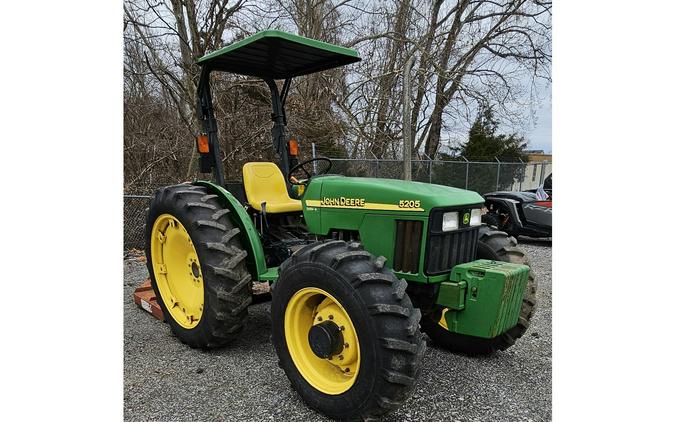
447 249
407 247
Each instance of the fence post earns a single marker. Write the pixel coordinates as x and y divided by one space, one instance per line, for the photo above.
430 160
520 186
499 164
466 177
377 164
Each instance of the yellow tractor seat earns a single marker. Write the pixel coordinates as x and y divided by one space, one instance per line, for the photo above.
264 182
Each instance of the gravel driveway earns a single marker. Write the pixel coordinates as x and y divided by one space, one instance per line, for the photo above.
166 380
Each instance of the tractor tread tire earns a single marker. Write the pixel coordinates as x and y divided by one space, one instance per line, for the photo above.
227 283
498 246
395 340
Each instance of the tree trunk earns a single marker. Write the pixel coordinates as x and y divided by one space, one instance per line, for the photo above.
189 77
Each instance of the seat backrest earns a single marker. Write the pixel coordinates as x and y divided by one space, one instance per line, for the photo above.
264 182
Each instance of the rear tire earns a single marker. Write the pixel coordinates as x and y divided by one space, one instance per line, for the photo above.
390 344
498 246
221 256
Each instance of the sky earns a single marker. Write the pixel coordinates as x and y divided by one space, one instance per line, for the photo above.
539 133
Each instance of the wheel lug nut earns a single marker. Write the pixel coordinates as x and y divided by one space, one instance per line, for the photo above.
320 319
342 327
346 345
341 357
346 369
330 316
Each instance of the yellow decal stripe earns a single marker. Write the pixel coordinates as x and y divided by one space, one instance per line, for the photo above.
367 206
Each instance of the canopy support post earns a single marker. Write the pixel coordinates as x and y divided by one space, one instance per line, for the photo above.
211 160
279 137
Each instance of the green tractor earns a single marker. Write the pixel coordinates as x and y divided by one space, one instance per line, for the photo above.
357 266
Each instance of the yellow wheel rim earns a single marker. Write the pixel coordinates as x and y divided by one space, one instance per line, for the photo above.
177 271
311 306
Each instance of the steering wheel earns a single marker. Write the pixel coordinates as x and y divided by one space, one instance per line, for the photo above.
302 172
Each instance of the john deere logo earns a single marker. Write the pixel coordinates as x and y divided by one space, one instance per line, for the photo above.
466 218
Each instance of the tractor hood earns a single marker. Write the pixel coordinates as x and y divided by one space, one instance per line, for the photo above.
383 213
385 194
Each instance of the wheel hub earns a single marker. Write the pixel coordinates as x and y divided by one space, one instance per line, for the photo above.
195 269
325 339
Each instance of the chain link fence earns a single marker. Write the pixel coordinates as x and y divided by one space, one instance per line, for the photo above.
134 220
481 177
137 194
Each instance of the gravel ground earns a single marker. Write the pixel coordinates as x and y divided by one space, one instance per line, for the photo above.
166 380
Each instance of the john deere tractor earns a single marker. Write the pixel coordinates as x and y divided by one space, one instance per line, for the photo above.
357 266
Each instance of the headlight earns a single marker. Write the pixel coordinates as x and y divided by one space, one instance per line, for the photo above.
450 221
475 217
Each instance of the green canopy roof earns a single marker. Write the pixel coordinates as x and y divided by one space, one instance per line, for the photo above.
278 55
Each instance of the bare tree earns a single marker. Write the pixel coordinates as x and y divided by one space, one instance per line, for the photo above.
484 53
173 35
467 53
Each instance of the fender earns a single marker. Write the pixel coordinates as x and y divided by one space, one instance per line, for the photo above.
510 204
255 261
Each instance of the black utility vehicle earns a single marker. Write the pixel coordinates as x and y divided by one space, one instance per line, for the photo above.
525 213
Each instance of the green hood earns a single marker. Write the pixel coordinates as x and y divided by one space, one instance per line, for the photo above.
387 194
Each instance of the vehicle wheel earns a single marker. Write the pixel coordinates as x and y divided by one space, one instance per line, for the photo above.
346 332
196 265
498 246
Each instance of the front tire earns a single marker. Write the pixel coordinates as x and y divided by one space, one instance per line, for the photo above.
197 266
380 324
497 246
